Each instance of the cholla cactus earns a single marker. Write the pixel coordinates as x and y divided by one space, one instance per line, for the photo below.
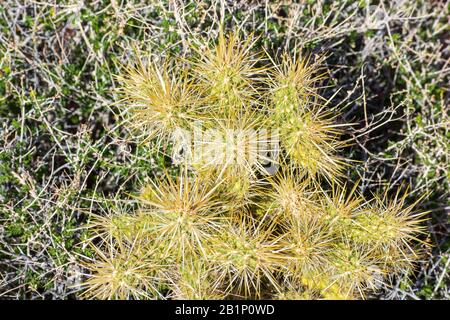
233 228
308 132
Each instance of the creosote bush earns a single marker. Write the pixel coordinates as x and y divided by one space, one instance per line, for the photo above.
270 217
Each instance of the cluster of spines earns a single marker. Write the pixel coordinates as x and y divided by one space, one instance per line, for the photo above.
225 231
